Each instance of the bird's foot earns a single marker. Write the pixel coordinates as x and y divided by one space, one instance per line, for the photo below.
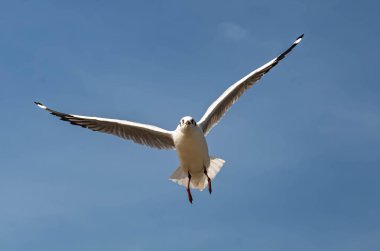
189 195
188 188
208 180
209 185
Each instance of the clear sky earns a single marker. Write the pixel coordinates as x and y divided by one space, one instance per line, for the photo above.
302 148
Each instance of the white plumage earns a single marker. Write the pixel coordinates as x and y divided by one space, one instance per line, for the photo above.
197 168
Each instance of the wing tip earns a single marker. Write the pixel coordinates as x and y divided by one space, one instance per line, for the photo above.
40 105
299 38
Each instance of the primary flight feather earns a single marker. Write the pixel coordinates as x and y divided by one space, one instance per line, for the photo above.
197 168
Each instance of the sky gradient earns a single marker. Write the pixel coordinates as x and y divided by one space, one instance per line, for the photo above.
301 147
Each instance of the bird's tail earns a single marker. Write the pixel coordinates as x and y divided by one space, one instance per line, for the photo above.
198 180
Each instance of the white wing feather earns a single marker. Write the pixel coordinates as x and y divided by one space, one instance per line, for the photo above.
140 133
220 106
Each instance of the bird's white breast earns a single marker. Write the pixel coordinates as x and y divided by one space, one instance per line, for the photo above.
192 149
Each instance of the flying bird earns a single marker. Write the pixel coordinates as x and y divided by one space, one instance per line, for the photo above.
197 168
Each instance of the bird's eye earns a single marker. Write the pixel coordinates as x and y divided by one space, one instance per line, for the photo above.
182 121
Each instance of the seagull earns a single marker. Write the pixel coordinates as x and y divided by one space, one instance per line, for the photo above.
197 168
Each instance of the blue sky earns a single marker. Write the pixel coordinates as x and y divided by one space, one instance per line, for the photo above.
301 148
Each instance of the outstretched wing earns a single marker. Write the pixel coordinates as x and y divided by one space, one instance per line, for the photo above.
220 106
140 133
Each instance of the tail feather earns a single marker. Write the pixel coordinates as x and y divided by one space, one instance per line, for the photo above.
199 180
215 165
179 176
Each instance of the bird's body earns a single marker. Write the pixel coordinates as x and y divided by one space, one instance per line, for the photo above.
197 168
192 150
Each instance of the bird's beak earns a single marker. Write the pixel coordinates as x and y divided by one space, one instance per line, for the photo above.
187 122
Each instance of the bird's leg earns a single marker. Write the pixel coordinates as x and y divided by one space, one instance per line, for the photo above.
208 179
188 188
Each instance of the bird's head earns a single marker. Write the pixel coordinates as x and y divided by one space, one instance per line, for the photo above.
187 123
